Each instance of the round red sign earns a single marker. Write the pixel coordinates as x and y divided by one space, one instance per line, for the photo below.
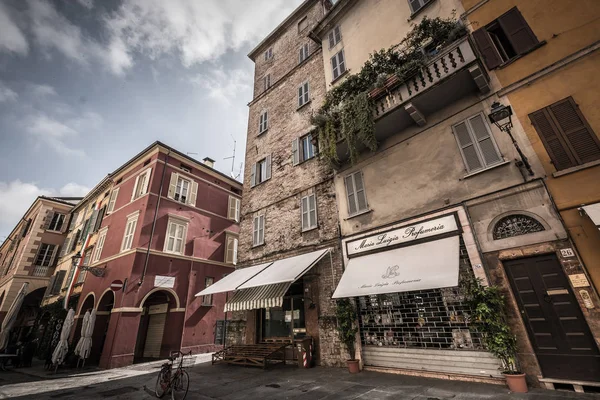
116 285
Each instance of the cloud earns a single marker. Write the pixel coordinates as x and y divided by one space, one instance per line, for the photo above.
89 4
41 90
12 38
224 86
6 93
17 196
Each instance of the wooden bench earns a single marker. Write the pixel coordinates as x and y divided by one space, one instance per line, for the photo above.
252 355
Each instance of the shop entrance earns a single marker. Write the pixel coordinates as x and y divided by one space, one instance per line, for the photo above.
561 339
286 322
154 339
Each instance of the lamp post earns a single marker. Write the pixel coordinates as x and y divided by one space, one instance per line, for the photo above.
501 116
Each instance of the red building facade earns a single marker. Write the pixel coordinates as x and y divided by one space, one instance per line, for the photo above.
169 230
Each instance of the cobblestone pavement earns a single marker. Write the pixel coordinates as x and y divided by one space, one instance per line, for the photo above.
229 382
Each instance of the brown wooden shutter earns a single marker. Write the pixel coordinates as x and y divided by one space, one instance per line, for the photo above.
50 285
488 51
99 218
552 139
578 135
519 33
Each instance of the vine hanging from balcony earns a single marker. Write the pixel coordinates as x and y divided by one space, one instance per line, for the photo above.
347 112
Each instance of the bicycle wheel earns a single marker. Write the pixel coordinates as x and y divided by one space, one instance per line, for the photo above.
162 383
180 386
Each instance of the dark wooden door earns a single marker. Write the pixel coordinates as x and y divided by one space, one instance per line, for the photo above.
560 336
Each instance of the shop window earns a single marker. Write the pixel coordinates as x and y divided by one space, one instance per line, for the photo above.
516 225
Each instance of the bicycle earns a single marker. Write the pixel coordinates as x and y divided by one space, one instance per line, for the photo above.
177 381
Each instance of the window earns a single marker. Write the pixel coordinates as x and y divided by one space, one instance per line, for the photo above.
69 277
269 54
258 231
129 232
58 281
303 149
233 211
73 222
302 24
416 5
99 245
231 249
267 81
263 122
309 212
355 193
261 171
566 135
185 168
338 65
516 225
476 144
304 52
303 94
335 35
55 221
207 300
182 189
141 184
45 255
175 237
504 39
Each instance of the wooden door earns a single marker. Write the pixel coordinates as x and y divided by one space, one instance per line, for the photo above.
562 341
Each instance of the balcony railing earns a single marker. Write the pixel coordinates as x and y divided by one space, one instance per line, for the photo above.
41 271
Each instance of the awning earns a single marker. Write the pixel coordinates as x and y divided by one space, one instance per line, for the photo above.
232 281
258 297
593 211
429 265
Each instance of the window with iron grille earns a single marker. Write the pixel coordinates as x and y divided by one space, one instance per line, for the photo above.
516 225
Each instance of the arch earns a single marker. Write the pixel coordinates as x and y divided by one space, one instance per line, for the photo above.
168 290
104 301
101 297
515 223
85 301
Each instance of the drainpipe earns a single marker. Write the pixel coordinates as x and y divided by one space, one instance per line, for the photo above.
162 181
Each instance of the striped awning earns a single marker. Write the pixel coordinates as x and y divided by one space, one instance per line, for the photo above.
265 296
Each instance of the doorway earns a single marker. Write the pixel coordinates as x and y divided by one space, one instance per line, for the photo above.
562 341
154 339
285 322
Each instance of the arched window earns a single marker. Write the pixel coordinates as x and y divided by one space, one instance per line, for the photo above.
516 225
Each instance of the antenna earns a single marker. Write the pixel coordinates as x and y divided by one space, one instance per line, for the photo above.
232 157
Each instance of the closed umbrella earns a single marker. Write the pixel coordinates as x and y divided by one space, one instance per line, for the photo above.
84 346
11 315
62 348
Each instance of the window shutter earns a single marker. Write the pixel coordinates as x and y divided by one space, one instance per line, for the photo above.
101 214
331 39
66 222
26 228
253 176
193 194
361 197
137 179
147 181
300 95
57 284
304 208
230 210
488 149
54 253
312 210
255 231
350 195
268 174
552 139
261 229
93 221
235 250
173 185
518 31
306 94
50 285
74 220
467 147
295 152
486 48
48 220
578 134
334 67
66 246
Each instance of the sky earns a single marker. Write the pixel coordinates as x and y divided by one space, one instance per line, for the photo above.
87 84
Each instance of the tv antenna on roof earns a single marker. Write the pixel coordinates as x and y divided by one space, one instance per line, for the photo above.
232 158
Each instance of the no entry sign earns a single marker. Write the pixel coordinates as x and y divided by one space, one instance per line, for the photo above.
117 285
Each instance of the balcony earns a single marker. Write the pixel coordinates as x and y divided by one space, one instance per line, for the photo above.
449 76
41 271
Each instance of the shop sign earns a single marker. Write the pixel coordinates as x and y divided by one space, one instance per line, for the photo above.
403 235
164 281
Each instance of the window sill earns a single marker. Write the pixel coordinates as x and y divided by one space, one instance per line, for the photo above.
310 229
575 169
254 246
53 231
207 305
416 13
481 171
358 214
303 105
340 76
262 132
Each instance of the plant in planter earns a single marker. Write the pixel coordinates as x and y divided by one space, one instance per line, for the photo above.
346 317
488 314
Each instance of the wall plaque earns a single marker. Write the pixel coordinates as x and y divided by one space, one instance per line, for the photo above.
579 280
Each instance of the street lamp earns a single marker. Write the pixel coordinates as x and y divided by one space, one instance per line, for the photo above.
501 116
99 272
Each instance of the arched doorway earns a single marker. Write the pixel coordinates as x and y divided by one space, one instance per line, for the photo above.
27 315
103 315
153 340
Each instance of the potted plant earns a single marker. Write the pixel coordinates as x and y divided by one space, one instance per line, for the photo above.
346 317
488 309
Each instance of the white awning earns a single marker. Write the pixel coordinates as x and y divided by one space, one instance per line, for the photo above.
258 297
232 281
429 265
593 211
286 270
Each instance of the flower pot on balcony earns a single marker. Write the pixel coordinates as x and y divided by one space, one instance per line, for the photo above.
516 382
353 366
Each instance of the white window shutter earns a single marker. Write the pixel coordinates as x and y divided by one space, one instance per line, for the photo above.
467 147
193 194
487 148
137 179
235 251
173 185
253 176
111 204
295 152
261 229
230 212
304 212
268 174
147 182
238 209
312 210
255 231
